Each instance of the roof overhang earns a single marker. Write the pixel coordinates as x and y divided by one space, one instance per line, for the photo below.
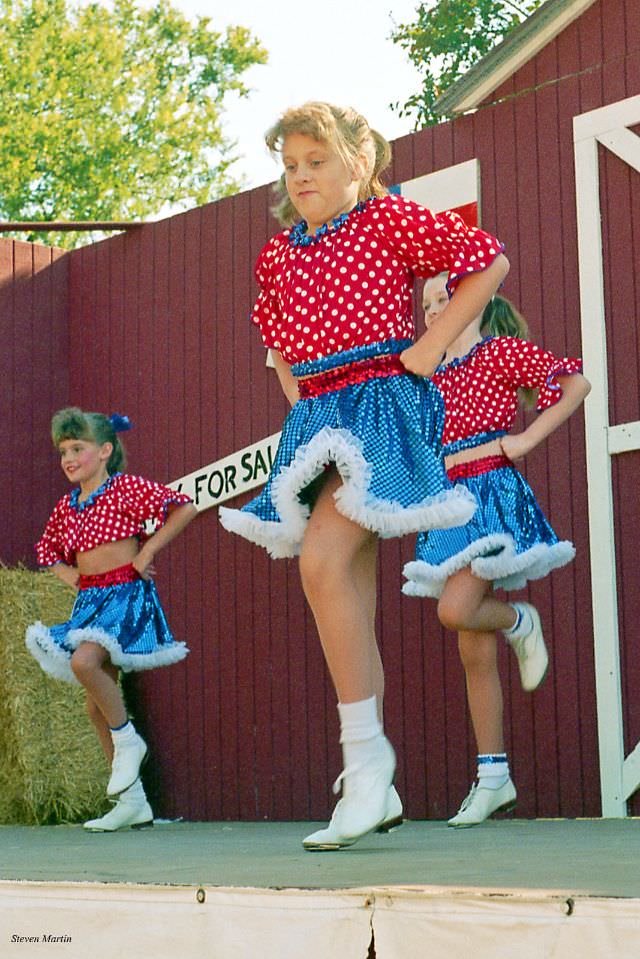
523 43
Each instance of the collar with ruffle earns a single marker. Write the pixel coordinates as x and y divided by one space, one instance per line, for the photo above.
459 360
298 235
92 497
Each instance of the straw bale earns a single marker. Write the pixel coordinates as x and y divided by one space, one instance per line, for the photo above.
52 769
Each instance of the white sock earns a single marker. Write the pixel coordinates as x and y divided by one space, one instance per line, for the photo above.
124 732
523 624
493 770
134 792
360 731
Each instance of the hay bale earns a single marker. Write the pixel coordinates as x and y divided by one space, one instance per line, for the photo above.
52 769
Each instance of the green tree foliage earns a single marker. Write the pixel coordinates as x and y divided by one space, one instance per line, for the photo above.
111 112
447 38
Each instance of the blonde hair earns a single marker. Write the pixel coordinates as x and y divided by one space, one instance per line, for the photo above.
341 128
500 318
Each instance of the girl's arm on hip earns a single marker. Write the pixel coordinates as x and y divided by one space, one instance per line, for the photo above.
178 517
575 387
67 574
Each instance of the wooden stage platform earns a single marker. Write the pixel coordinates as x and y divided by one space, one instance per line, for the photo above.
535 889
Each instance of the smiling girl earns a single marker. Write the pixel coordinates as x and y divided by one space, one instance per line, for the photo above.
360 453
508 542
94 542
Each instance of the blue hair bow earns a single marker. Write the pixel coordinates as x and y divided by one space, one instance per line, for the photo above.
120 423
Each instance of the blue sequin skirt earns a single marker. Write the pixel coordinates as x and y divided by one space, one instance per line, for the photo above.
508 541
383 434
124 617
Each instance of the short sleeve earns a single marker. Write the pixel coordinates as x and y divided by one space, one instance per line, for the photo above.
50 547
266 312
431 243
524 364
143 500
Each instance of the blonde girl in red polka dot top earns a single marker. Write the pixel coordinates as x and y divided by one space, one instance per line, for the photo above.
95 542
508 541
360 450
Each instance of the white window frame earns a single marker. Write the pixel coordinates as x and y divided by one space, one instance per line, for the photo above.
619 775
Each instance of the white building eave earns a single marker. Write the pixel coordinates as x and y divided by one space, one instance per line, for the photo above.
510 55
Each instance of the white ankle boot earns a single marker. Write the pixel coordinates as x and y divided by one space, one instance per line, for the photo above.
483 802
369 803
129 753
130 811
331 838
533 659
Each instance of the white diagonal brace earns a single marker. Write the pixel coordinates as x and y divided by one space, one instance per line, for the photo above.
624 144
631 773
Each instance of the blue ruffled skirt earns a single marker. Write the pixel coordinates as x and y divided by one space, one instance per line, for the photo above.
126 618
508 541
384 437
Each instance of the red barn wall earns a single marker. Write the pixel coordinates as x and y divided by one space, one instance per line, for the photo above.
34 365
246 728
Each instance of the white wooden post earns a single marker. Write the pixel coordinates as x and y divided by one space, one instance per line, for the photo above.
619 777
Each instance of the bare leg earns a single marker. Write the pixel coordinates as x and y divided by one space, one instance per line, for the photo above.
365 571
87 663
478 652
329 562
98 720
465 607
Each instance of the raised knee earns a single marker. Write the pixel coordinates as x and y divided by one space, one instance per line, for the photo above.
84 661
450 613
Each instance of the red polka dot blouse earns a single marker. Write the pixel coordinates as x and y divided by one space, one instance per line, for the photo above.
480 390
351 283
115 511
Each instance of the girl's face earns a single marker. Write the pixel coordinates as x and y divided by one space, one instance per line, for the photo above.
83 461
434 299
319 183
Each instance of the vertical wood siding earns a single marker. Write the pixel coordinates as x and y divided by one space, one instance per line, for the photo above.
34 362
246 726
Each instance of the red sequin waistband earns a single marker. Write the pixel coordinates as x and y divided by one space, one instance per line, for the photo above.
358 372
478 467
113 577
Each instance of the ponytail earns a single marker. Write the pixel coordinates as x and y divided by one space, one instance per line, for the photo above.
500 318
73 424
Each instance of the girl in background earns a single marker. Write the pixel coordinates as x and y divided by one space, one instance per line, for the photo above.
360 451
94 542
508 541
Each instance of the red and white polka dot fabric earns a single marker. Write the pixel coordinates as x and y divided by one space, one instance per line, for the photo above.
480 390
352 285
116 511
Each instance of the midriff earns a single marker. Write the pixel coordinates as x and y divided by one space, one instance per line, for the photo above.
492 448
107 556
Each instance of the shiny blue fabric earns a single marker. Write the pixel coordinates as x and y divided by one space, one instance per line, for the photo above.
396 422
334 360
130 617
508 540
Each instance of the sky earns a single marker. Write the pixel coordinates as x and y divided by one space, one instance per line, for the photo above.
335 50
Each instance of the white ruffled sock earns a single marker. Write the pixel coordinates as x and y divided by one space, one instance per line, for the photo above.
523 624
360 731
493 770
123 733
135 792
